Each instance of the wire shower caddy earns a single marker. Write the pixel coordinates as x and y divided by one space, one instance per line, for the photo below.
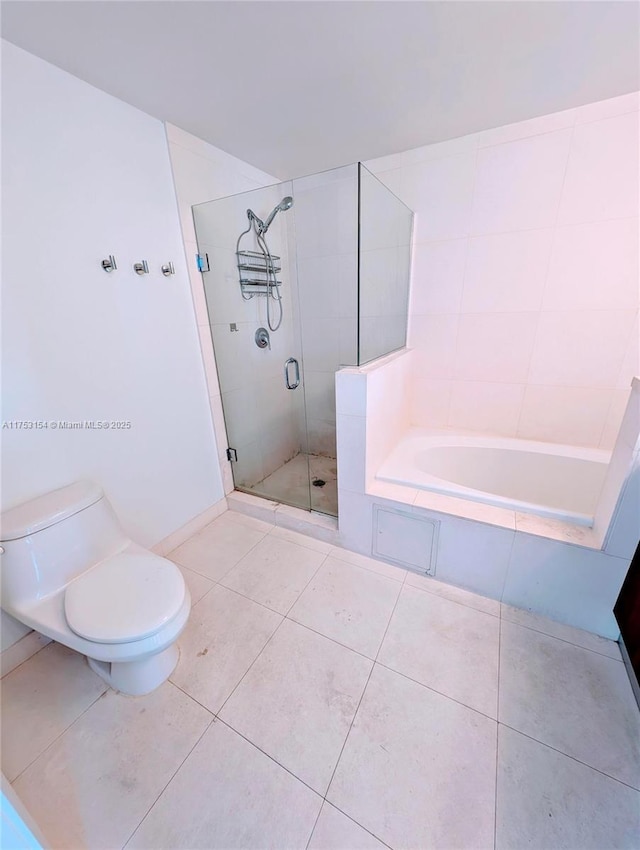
258 274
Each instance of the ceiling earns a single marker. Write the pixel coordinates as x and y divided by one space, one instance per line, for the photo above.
298 87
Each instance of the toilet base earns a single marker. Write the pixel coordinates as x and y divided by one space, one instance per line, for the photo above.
136 678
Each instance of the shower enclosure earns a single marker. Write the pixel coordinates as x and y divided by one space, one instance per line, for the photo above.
301 279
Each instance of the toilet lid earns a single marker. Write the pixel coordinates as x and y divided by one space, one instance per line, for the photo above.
127 597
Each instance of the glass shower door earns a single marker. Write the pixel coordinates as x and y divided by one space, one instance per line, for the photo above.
329 255
247 266
326 252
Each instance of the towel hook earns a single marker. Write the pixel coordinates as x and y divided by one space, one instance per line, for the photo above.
109 264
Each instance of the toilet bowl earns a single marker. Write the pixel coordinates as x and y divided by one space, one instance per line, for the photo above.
69 571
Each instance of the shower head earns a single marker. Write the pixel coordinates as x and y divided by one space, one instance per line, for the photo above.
285 204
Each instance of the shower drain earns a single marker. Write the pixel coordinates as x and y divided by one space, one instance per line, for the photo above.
318 482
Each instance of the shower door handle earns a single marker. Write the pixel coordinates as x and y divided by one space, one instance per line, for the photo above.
291 362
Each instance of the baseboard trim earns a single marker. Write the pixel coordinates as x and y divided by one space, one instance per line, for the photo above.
177 537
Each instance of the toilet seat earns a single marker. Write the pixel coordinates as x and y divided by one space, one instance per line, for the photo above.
125 598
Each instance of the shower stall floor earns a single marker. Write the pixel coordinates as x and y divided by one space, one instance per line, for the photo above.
290 483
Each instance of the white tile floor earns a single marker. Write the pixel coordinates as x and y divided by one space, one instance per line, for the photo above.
327 701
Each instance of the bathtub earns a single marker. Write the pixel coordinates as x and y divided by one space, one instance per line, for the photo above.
561 482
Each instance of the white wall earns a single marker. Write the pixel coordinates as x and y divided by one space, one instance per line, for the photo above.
524 311
85 175
204 173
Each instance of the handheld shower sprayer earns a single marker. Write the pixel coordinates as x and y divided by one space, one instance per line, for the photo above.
285 204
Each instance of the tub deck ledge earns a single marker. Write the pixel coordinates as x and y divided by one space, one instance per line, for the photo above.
424 500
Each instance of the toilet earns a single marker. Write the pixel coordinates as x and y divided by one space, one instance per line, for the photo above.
69 571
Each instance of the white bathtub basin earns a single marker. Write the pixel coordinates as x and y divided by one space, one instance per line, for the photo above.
550 480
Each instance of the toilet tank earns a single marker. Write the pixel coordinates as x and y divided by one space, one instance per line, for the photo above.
50 540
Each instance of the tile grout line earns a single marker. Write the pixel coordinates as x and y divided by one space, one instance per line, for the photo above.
332 639
344 743
192 698
243 595
171 778
249 599
434 691
364 690
220 580
244 675
335 640
545 282
37 652
225 574
299 596
353 820
467 250
214 584
315 823
262 604
489 233
368 569
564 640
573 758
269 639
456 601
64 731
288 770
295 542
193 536
325 800
508 567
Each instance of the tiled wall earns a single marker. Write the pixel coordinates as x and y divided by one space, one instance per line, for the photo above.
534 565
202 173
373 414
524 310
